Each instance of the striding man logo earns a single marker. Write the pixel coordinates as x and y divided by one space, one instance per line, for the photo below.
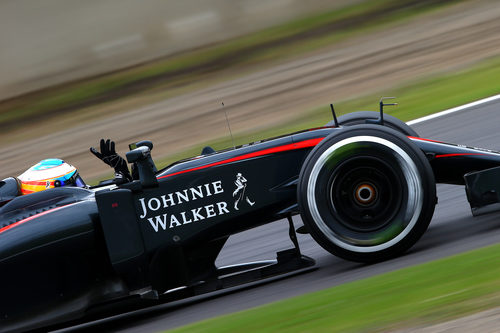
240 191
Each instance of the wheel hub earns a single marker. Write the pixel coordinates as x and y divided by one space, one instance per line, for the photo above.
365 194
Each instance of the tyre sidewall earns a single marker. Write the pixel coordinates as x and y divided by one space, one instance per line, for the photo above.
360 253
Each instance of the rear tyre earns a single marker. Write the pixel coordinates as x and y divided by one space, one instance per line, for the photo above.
360 117
366 193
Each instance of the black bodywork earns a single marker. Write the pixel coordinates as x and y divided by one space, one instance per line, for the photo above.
70 254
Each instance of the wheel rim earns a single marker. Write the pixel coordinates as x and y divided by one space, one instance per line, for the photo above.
349 163
361 193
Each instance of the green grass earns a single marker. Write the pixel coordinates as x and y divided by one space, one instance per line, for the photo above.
416 99
290 39
409 297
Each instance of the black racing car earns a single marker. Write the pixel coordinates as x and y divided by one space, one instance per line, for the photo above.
365 187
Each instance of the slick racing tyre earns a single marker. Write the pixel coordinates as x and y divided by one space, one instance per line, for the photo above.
366 193
359 117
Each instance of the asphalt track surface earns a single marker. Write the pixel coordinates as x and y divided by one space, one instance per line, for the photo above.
452 230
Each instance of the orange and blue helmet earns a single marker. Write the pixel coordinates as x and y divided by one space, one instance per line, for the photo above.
49 173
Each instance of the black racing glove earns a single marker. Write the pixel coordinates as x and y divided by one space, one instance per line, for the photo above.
109 156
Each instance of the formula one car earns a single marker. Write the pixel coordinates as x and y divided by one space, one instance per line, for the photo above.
364 185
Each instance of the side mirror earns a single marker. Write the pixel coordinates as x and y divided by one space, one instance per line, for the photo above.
141 156
146 143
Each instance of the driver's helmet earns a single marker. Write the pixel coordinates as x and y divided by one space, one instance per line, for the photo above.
49 173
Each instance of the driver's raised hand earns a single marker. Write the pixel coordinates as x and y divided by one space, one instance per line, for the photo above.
109 156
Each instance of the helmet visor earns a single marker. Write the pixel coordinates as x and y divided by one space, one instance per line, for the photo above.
79 181
75 180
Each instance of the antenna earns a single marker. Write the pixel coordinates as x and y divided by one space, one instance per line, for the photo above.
380 120
227 121
381 103
334 116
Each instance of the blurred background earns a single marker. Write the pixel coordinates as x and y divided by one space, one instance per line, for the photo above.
57 41
73 72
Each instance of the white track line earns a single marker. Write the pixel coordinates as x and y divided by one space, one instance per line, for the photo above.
455 109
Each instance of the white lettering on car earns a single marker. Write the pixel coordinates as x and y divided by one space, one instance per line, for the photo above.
158 220
196 214
173 220
167 202
222 208
182 195
164 221
196 193
184 219
218 187
143 206
154 204
210 211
